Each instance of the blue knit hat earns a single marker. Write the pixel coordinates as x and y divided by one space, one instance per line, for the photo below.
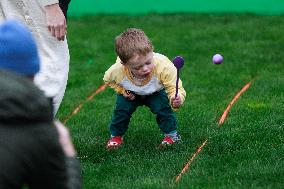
18 50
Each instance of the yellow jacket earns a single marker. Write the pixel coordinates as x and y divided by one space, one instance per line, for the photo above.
164 76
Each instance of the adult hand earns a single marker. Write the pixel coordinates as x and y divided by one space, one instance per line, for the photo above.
65 139
56 21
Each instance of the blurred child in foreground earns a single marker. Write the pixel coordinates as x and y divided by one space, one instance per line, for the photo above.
36 151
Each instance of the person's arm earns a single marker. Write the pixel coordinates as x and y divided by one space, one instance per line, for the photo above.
113 76
64 6
116 87
56 21
72 163
73 172
168 75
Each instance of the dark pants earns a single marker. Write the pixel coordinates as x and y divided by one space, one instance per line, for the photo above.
158 103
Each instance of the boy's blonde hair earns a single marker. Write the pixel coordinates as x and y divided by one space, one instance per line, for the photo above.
131 42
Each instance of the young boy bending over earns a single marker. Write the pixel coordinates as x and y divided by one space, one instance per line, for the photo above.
143 77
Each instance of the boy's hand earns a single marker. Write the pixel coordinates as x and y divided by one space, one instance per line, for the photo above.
129 95
176 102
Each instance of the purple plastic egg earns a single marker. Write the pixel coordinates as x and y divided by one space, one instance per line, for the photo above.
217 59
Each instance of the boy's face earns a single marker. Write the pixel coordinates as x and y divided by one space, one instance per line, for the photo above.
141 66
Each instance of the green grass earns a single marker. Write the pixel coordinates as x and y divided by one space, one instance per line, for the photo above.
247 151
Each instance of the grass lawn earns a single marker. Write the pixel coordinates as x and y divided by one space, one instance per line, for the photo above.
247 151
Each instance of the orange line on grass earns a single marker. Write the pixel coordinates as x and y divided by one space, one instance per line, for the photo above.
221 121
190 161
78 108
223 117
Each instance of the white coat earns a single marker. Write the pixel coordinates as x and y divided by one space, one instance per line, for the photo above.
54 54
